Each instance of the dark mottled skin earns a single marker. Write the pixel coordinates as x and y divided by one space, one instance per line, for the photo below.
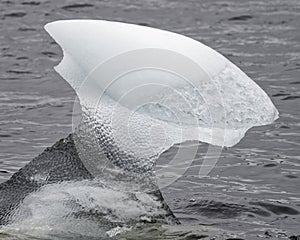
59 163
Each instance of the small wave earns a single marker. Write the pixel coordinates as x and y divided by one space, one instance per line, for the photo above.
15 14
77 6
241 18
31 3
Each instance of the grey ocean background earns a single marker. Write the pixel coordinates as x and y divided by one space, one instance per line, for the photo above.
255 186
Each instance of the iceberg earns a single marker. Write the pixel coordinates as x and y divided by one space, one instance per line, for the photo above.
144 89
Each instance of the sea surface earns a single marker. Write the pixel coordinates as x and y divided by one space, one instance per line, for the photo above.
254 190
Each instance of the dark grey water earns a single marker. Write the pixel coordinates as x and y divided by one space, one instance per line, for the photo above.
255 187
